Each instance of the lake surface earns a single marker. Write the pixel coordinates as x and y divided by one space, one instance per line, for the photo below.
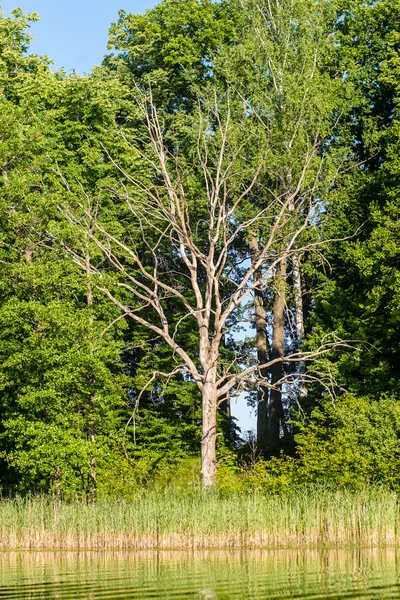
210 575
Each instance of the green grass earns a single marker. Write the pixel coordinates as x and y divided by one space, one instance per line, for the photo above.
170 519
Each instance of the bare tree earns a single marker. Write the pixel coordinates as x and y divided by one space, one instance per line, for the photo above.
199 226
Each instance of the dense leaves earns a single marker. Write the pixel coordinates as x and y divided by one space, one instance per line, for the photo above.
92 401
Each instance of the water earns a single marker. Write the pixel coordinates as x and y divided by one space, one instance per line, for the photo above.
211 575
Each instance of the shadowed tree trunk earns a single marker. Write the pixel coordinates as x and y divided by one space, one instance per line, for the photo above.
225 405
225 401
298 298
92 476
91 433
275 412
262 354
4 172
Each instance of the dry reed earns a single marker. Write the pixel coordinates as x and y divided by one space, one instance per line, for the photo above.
172 520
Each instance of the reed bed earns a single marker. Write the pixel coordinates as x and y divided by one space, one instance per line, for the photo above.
172 520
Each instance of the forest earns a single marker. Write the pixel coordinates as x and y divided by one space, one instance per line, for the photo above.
210 216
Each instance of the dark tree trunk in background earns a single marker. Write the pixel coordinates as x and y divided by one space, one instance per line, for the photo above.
298 299
92 476
275 412
91 433
225 401
262 355
225 405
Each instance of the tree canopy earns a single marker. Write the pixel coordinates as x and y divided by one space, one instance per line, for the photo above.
212 214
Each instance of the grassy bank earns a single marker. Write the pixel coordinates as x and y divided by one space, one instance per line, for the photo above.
204 520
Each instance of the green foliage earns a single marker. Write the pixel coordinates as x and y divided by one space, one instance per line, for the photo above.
359 285
171 47
346 444
351 442
61 384
79 389
273 476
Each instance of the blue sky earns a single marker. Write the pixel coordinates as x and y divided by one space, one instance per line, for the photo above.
74 34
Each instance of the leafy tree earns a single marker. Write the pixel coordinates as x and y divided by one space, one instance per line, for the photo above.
172 48
194 178
359 294
351 442
61 395
283 66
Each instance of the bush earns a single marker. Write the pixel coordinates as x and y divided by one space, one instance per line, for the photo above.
350 443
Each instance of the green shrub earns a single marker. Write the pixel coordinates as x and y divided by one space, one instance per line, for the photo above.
351 442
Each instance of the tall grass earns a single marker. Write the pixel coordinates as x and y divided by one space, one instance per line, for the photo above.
170 519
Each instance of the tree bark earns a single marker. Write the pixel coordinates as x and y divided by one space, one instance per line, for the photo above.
225 405
92 475
4 172
298 296
209 428
262 354
91 433
225 401
275 412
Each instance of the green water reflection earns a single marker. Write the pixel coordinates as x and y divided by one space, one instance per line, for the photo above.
221 575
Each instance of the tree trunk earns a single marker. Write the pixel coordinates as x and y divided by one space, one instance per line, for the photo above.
275 412
4 172
262 390
262 355
209 429
298 296
92 475
262 358
225 401
225 405
28 252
